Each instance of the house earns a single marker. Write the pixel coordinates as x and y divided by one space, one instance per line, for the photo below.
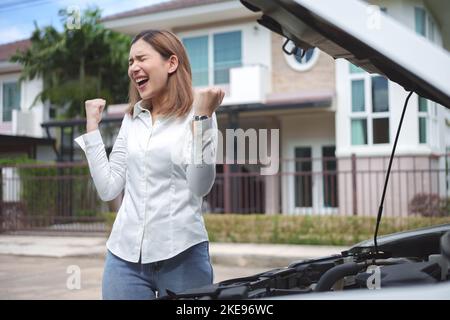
337 122
20 121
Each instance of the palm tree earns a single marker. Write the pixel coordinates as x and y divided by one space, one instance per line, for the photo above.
77 64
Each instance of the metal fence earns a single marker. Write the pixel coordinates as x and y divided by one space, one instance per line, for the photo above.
62 197
418 185
50 197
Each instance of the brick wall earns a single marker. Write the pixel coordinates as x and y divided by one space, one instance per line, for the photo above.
285 79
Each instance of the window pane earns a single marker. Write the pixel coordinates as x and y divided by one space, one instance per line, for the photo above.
303 182
381 130
423 105
329 177
380 97
420 20
358 95
11 99
197 50
359 131
308 55
431 29
422 130
355 69
227 54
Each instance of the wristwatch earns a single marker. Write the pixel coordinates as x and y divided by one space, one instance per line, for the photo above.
199 118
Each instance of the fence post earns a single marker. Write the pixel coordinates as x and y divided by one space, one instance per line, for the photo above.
354 192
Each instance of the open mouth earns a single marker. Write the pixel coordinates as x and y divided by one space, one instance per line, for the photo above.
141 82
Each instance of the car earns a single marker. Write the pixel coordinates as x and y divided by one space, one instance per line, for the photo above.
412 262
412 258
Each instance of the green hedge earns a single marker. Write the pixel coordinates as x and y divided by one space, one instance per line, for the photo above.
41 187
324 230
320 230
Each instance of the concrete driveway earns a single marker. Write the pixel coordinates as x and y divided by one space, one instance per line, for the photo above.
27 277
40 267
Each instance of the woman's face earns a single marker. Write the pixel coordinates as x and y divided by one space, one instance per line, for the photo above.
148 70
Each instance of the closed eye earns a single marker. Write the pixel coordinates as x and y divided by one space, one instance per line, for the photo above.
138 57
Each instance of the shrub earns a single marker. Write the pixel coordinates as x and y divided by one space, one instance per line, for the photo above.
308 229
44 191
429 205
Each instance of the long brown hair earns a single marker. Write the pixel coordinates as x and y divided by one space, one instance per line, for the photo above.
179 91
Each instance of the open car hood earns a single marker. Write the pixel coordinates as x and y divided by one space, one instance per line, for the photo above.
408 262
418 242
351 29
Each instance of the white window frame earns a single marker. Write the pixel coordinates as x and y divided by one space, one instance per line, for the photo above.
301 67
425 115
210 33
367 114
318 205
432 125
304 210
9 80
430 24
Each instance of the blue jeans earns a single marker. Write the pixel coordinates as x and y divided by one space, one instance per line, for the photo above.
123 280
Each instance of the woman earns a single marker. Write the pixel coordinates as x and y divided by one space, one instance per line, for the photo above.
164 158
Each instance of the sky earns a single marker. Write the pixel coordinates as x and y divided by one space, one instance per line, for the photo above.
17 16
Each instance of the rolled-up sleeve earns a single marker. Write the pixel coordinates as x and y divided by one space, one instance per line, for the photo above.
201 169
108 175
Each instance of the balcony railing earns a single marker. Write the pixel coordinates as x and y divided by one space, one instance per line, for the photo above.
242 84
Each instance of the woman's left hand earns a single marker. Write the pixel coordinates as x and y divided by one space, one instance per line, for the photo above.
209 99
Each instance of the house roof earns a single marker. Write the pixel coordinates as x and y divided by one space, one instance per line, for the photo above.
161 7
8 49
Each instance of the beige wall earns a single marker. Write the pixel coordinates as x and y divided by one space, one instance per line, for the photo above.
286 79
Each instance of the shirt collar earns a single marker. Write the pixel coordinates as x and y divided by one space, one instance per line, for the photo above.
137 109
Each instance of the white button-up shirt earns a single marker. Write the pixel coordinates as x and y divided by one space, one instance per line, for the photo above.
157 164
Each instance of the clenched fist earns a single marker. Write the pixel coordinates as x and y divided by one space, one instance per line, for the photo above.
208 100
94 109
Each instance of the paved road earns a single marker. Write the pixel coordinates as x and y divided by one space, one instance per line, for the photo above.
25 277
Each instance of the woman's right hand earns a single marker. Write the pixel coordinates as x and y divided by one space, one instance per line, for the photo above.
94 110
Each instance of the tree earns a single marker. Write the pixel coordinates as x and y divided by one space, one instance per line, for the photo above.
77 64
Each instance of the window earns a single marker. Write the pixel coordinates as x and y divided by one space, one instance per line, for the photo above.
11 99
380 97
358 99
369 111
303 177
419 18
212 56
296 61
428 122
197 49
227 54
423 119
308 55
424 23
359 131
329 167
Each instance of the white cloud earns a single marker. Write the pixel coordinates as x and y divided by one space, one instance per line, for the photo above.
13 33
